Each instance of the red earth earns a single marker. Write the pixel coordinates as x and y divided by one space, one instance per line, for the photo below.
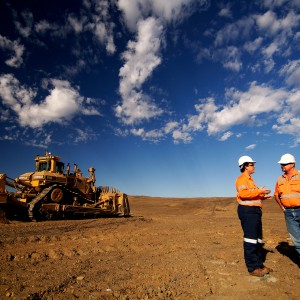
170 248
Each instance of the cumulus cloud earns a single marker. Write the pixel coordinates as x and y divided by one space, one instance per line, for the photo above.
246 107
243 106
61 105
267 33
144 54
166 11
141 58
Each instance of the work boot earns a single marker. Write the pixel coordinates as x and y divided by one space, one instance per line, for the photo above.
268 269
258 273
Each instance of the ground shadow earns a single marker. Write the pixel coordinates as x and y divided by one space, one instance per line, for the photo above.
264 252
285 249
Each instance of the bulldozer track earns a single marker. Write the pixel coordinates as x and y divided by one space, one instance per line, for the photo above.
38 198
48 190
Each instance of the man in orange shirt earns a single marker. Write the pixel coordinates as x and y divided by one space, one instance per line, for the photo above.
287 195
249 198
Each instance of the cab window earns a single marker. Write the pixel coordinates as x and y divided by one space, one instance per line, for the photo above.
59 167
43 166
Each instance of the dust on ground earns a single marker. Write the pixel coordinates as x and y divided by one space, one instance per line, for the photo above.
170 248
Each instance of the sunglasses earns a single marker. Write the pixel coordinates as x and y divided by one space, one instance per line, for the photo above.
285 164
251 165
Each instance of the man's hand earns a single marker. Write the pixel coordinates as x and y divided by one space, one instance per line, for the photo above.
265 193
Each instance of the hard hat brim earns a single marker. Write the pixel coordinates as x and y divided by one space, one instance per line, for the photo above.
253 162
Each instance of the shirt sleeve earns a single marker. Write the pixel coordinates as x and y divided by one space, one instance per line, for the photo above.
246 193
276 192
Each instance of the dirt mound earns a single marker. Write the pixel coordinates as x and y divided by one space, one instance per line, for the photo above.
170 248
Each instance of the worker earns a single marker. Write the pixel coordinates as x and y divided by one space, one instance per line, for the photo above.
287 195
249 198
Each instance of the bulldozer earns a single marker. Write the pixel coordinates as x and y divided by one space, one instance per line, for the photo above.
53 191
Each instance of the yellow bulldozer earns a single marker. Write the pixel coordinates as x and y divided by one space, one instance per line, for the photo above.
52 191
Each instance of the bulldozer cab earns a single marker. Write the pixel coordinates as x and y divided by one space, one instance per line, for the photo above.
49 163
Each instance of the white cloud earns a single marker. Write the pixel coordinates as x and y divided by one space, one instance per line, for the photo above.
15 48
244 105
143 55
180 136
226 136
271 25
231 59
151 135
170 126
43 26
252 46
100 25
166 11
235 31
94 18
61 105
293 102
274 3
288 120
76 23
242 108
84 135
225 12
291 127
24 24
141 58
291 71
251 147
270 50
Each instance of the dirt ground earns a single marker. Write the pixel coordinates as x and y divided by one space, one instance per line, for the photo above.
168 249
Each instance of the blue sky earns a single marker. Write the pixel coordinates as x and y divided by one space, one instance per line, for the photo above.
161 97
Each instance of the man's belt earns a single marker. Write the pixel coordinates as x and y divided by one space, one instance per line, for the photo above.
291 207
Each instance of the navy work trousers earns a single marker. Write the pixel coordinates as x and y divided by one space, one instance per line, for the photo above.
250 217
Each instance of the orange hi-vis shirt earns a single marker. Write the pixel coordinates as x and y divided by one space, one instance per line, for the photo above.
247 191
288 190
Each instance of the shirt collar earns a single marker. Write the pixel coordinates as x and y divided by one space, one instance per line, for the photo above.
295 172
248 176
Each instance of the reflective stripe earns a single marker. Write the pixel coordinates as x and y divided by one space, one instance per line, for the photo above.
259 241
297 195
283 179
251 241
242 187
250 202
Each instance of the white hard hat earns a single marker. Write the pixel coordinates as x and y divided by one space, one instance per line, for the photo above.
245 159
287 159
